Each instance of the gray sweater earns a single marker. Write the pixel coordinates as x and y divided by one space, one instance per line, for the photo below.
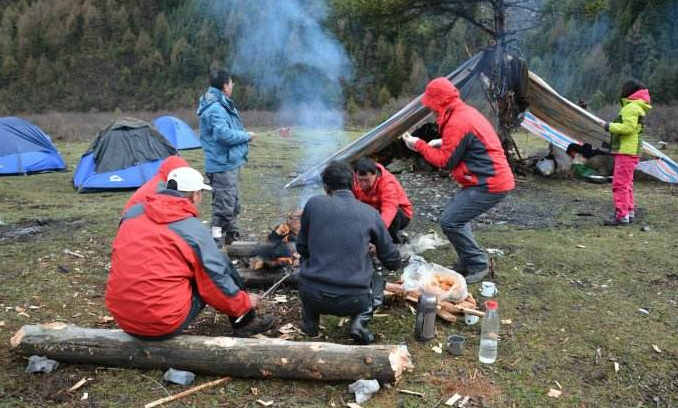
333 243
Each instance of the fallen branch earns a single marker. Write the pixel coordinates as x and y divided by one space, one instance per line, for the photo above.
187 392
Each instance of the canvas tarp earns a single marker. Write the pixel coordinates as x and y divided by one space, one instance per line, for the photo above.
565 117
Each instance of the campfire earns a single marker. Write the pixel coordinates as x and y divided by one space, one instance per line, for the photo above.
280 248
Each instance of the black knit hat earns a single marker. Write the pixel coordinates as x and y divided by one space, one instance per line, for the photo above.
630 87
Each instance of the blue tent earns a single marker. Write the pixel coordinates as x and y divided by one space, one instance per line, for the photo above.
24 149
124 155
177 132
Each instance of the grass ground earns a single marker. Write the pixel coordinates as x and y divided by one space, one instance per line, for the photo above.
571 287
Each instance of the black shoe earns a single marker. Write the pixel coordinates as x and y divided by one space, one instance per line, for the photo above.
359 331
476 277
617 222
256 325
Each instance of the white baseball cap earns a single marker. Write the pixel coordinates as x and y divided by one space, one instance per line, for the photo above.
188 179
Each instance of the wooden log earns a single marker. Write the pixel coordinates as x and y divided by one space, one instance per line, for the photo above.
244 249
237 357
264 278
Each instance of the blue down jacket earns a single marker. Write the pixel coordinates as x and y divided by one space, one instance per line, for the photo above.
224 140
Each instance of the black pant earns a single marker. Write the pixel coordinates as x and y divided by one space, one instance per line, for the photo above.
400 221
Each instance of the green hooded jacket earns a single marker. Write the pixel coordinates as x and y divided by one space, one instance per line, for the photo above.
627 131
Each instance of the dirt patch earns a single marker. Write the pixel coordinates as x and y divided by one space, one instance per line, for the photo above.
39 229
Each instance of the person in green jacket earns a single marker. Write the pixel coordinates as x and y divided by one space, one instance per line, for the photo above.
626 146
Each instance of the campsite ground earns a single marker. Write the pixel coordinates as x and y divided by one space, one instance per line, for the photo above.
572 289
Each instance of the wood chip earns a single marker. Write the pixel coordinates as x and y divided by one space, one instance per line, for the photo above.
581 246
287 329
464 401
75 254
265 403
353 405
453 400
341 322
24 314
84 396
616 367
380 315
255 391
419 394
104 319
413 310
656 348
553 393
437 350
2 323
78 384
507 321
558 384
644 311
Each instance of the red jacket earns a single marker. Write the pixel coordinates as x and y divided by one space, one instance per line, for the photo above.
471 148
386 196
152 185
161 253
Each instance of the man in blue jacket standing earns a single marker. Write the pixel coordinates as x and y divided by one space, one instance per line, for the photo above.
226 145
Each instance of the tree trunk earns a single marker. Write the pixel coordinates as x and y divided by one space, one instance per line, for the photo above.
264 278
238 357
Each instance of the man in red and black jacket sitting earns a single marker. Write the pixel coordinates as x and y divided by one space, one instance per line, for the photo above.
165 267
374 185
472 152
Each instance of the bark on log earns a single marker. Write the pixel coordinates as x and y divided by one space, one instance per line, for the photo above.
238 357
265 278
244 249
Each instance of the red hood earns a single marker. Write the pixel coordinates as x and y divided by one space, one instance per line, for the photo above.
440 96
643 95
164 208
171 163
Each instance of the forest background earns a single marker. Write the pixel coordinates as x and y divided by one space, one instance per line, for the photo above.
149 55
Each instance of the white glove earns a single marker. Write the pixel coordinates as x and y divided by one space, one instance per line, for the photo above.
436 143
410 140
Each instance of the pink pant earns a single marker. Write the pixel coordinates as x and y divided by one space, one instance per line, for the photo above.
622 183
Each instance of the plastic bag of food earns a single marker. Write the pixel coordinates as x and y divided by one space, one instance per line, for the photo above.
445 283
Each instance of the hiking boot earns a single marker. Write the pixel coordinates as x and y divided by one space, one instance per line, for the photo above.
632 216
617 222
476 277
359 331
256 325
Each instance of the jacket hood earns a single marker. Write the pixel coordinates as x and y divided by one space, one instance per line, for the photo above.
169 206
441 95
213 95
171 163
640 95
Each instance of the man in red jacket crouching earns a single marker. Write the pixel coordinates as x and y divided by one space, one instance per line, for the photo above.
165 267
376 186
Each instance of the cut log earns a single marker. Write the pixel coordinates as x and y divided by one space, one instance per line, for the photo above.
245 249
264 278
237 357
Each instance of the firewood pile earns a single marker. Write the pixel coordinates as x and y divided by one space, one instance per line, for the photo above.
447 310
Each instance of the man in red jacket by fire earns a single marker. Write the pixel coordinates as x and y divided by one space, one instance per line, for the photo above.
374 185
165 266
471 150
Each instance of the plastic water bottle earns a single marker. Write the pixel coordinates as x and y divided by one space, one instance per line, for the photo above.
489 334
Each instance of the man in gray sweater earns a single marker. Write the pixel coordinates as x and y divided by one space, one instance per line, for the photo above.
336 273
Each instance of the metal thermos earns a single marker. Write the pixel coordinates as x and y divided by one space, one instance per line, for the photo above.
425 325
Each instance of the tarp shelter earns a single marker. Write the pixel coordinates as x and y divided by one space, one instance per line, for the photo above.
177 132
124 155
545 104
25 149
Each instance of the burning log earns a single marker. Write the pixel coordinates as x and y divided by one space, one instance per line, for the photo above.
238 357
262 278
